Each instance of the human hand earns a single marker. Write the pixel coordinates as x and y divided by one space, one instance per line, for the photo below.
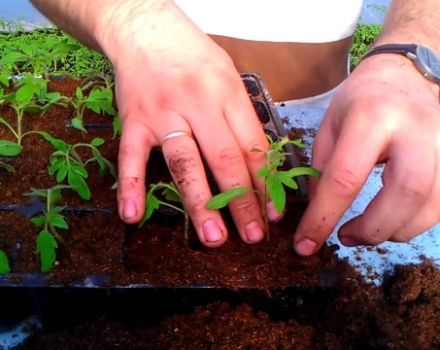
384 112
171 77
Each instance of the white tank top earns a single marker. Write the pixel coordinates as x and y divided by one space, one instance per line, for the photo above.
303 21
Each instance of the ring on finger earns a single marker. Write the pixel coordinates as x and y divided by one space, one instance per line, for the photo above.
174 134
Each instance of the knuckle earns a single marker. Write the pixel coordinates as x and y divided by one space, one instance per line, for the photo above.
345 183
228 157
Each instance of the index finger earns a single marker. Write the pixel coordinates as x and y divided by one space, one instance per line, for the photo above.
359 145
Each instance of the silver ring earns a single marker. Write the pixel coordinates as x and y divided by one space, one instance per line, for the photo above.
174 134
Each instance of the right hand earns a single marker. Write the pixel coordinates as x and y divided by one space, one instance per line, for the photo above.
171 77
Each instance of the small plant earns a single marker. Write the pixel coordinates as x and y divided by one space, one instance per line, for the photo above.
275 180
98 100
4 263
49 221
30 96
170 196
66 162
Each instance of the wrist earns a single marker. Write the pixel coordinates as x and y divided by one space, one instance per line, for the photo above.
121 21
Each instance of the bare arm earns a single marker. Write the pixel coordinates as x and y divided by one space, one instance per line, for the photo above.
386 111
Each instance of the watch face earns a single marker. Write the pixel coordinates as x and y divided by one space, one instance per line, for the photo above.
428 62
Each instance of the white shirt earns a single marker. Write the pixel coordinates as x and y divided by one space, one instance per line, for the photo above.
303 21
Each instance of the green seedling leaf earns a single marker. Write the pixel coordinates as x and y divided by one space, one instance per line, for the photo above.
221 200
39 221
77 123
97 141
79 94
117 126
46 247
9 148
152 204
4 263
79 185
276 193
4 80
286 180
57 220
171 193
24 94
298 171
56 143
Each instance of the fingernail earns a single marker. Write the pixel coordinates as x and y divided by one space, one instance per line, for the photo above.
129 208
349 241
212 231
272 213
305 247
254 232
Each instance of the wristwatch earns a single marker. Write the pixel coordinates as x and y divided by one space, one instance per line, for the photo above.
427 62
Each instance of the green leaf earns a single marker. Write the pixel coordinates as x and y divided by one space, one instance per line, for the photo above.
77 123
39 220
298 171
117 126
4 263
276 193
58 144
287 180
56 164
62 172
221 200
79 169
46 247
79 94
79 185
4 79
263 171
24 94
97 141
9 148
57 220
152 203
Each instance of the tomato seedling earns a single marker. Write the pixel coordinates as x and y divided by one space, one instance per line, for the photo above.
275 180
170 196
65 162
50 221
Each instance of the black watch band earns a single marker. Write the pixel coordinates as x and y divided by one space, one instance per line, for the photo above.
403 49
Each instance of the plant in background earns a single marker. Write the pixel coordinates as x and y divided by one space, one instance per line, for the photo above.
49 221
4 263
66 162
30 96
275 180
98 100
170 196
363 38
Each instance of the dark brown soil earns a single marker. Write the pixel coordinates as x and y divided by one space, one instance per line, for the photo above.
314 303
405 314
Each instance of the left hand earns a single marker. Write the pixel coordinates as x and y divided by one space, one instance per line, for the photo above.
385 111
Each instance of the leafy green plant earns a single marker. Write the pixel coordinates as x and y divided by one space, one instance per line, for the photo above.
363 38
67 163
4 263
30 96
49 221
169 197
99 100
275 180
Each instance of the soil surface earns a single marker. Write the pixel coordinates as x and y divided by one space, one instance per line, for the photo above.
242 296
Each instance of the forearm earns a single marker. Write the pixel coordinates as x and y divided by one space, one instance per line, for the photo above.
412 21
93 22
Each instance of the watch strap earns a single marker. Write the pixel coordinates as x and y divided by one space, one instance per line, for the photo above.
402 49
